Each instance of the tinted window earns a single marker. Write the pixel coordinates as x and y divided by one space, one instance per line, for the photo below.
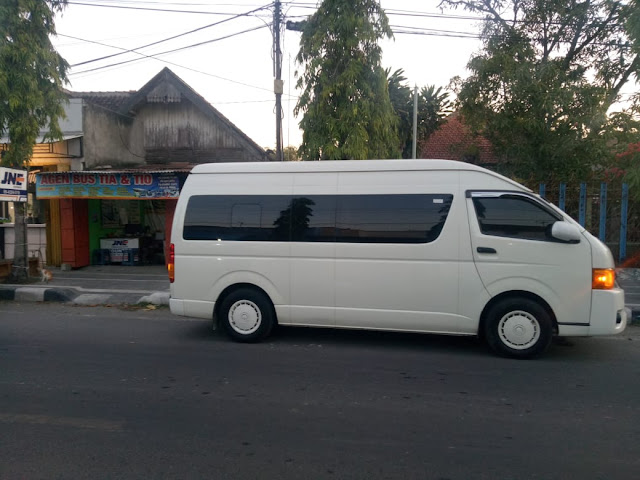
314 219
513 216
391 218
317 218
237 217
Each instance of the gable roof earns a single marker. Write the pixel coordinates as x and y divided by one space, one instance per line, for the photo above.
164 87
167 87
455 141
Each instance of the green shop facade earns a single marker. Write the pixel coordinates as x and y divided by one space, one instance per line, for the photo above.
109 217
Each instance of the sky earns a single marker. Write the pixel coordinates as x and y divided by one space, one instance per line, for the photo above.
227 57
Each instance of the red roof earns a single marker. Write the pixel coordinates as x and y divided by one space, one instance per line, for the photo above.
455 141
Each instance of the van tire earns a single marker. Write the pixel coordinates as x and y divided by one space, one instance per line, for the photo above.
247 315
518 327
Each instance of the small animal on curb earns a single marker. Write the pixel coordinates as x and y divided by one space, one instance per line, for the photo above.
46 275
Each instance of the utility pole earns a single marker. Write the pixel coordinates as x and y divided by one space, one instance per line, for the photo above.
278 84
415 122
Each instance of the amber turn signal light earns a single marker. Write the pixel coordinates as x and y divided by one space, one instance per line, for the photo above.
603 278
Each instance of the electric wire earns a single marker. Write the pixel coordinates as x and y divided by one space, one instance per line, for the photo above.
206 42
173 37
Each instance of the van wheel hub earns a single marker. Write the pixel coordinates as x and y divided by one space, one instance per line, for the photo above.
245 317
519 330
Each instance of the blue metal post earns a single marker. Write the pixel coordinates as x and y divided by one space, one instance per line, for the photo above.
623 222
603 211
562 196
582 215
542 189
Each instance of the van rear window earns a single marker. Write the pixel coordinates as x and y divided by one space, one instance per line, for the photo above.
388 218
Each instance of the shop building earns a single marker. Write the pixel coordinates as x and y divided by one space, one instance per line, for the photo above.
107 191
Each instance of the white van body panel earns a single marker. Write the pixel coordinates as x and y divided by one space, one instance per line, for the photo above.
401 287
559 273
443 286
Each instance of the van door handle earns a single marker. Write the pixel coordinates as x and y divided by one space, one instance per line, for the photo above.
486 250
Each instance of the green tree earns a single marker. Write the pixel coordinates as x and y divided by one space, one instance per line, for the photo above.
31 97
290 154
402 102
548 73
345 102
433 106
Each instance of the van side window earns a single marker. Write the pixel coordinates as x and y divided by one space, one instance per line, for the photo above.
513 216
410 218
391 218
235 217
314 218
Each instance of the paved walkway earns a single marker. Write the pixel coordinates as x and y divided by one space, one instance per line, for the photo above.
97 285
116 284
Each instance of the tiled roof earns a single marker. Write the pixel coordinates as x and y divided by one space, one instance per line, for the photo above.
455 141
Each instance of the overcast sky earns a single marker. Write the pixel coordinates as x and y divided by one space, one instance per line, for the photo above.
235 74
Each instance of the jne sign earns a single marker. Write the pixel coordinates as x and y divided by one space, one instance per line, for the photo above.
13 185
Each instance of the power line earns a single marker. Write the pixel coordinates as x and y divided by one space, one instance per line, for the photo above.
405 30
168 51
149 9
173 37
190 69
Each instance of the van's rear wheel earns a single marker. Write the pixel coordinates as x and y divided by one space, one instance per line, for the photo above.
518 327
247 315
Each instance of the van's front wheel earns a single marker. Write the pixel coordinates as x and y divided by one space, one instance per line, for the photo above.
247 315
518 327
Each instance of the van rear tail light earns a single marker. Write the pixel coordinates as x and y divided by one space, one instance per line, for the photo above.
171 265
603 278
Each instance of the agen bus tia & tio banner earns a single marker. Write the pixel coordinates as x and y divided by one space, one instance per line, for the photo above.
114 185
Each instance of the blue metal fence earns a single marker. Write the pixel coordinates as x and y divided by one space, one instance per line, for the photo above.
611 210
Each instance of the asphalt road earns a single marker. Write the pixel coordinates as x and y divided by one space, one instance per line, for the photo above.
103 393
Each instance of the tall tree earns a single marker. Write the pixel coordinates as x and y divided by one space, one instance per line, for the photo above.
32 74
345 101
548 74
433 106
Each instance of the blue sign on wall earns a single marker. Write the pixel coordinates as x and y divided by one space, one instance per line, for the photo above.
114 185
13 185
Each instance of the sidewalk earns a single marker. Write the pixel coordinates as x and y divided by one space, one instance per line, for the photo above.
97 285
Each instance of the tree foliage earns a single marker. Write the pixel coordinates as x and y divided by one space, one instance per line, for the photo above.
345 102
433 106
31 78
32 74
548 73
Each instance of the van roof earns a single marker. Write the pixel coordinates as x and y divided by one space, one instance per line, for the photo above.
343 166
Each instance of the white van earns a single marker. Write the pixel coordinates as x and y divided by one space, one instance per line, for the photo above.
405 245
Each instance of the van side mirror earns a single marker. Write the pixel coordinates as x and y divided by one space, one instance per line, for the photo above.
566 232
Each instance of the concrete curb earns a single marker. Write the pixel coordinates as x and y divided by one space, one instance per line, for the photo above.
36 294
634 317
26 293
157 298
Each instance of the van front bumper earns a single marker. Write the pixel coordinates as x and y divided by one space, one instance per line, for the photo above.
608 315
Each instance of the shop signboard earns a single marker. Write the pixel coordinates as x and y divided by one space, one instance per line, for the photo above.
113 185
13 185
120 248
